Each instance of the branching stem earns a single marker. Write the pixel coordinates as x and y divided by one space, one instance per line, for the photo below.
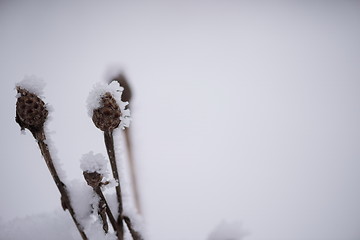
108 210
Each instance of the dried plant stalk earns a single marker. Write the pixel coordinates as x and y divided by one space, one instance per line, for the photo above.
126 97
65 200
135 235
108 212
133 171
107 118
102 214
109 143
94 179
31 113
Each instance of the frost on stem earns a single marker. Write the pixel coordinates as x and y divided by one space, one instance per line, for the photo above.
106 108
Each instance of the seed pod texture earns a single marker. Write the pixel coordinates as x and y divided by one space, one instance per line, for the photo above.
31 112
107 117
93 179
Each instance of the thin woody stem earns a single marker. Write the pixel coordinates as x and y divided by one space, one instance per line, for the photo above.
108 210
65 200
109 143
135 235
102 214
126 97
133 170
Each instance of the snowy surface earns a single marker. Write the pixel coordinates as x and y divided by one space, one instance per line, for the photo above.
94 100
56 225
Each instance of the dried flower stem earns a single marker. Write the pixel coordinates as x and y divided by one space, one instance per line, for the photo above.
135 235
109 143
65 200
132 170
126 96
102 214
108 211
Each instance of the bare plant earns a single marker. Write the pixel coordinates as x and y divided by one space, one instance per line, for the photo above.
31 113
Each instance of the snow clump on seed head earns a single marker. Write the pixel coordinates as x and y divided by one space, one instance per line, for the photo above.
106 108
32 84
91 162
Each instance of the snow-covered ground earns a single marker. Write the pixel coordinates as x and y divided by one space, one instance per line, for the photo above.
245 116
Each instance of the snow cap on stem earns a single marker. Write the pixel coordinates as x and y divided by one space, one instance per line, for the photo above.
106 108
91 162
94 168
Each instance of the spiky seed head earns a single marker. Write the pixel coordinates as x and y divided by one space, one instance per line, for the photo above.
107 117
31 112
93 179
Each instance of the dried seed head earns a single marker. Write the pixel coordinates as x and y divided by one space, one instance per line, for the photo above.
107 117
93 179
31 112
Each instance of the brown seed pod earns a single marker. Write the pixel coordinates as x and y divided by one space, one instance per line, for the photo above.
93 179
31 112
107 117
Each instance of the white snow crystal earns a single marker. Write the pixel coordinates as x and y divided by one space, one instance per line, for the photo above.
99 90
55 159
51 146
91 162
32 84
228 231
